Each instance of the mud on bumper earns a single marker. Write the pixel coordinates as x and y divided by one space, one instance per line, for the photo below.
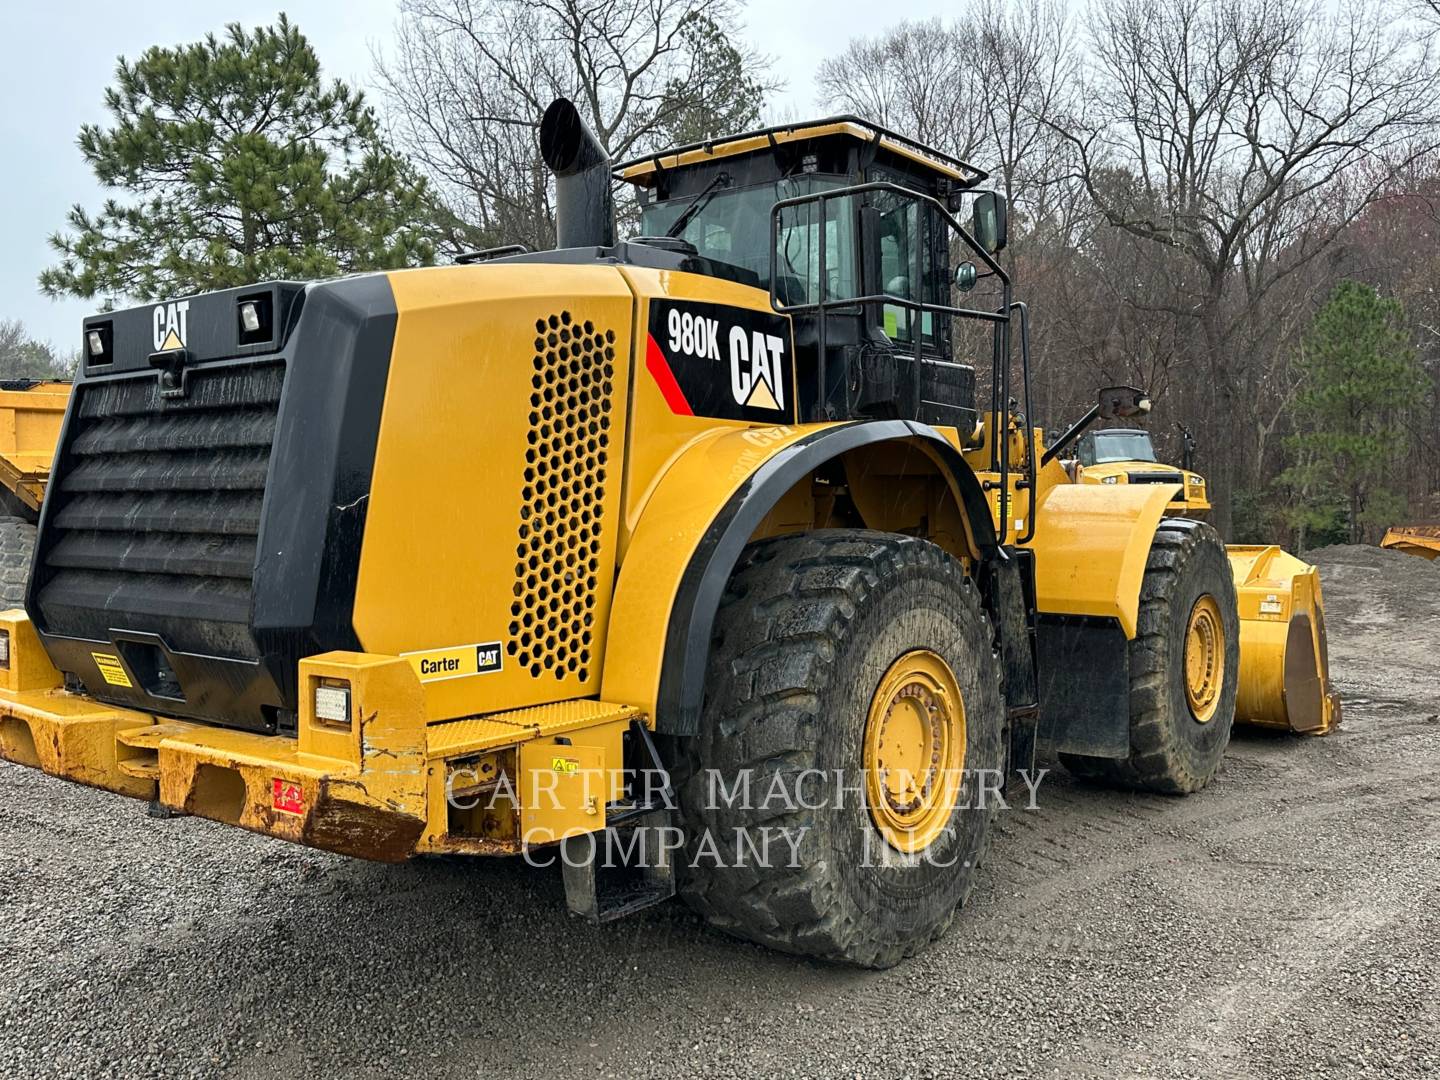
381 787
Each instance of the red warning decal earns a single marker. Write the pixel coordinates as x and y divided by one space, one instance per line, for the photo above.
659 369
288 796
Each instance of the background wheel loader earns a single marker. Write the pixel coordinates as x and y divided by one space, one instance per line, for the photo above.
695 544
1284 658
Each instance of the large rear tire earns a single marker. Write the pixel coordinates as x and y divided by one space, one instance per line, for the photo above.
854 673
17 542
1184 667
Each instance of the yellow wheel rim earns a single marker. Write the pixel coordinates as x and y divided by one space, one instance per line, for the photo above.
1204 658
914 750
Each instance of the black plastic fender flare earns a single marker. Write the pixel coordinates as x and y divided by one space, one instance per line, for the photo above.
692 614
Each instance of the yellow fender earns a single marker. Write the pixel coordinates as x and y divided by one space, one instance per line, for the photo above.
1091 545
1284 658
688 535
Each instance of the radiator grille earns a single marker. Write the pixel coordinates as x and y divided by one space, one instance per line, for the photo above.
558 554
1155 478
156 509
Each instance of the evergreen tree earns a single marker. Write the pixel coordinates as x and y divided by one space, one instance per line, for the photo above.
23 357
1359 377
242 165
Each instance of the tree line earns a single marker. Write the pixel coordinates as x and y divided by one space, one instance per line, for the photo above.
1234 204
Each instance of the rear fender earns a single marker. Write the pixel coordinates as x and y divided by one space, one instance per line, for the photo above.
716 497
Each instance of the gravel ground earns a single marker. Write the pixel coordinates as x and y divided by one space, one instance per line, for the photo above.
1285 922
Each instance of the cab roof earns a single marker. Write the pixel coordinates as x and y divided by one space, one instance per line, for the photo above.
645 171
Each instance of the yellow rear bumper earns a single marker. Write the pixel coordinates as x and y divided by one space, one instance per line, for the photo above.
385 787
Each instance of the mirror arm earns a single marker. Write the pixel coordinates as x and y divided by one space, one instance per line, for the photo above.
1071 434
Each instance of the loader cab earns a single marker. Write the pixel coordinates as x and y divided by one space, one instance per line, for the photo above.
1114 445
844 224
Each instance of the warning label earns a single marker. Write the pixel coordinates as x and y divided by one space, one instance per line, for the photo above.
111 670
287 796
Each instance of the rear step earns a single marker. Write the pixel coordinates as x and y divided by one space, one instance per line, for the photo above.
625 867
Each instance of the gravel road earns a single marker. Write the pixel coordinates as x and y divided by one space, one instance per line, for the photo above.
1285 922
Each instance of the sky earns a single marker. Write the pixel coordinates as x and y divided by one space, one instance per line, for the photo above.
60 57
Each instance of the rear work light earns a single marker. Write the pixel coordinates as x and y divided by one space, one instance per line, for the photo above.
332 703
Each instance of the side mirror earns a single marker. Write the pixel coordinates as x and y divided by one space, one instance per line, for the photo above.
1122 402
991 222
966 276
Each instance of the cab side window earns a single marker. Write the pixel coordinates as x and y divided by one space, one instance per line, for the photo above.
911 265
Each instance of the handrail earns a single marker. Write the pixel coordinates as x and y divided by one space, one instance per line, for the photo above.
1001 319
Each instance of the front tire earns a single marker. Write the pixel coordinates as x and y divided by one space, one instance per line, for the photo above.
854 672
1184 667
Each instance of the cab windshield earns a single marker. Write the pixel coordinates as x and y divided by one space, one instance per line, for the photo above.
733 226
1112 446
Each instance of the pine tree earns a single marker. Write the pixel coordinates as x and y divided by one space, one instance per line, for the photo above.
242 165
1359 377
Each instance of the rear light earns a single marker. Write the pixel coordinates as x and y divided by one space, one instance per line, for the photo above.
332 703
255 318
99 344
4 648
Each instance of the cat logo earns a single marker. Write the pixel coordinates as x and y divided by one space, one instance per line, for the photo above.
169 321
723 361
757 363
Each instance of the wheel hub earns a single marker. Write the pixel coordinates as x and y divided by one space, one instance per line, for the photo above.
1204 658
914 750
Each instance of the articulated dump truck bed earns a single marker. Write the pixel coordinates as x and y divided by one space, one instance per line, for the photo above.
30 417
381 784
1421 540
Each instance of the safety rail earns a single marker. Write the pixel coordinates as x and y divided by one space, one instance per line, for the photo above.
1001 318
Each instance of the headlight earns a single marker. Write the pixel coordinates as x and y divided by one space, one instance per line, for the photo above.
1110 479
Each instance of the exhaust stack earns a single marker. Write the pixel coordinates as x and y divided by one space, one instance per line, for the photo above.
584 205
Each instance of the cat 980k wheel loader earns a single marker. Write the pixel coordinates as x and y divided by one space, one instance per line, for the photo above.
642 535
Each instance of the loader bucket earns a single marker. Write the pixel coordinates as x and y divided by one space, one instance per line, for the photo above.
1284 659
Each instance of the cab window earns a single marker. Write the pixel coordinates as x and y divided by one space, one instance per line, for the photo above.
912 264
733 226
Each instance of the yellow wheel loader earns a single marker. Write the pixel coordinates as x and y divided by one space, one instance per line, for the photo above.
687 563
1284 659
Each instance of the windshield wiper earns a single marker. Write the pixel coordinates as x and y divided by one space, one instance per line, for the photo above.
701 201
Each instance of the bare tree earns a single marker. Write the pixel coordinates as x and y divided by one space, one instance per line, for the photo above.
918 78
1244 136
980 88
469 79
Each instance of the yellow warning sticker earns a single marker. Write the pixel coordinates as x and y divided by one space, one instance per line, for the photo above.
564 765
456 662
111 671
